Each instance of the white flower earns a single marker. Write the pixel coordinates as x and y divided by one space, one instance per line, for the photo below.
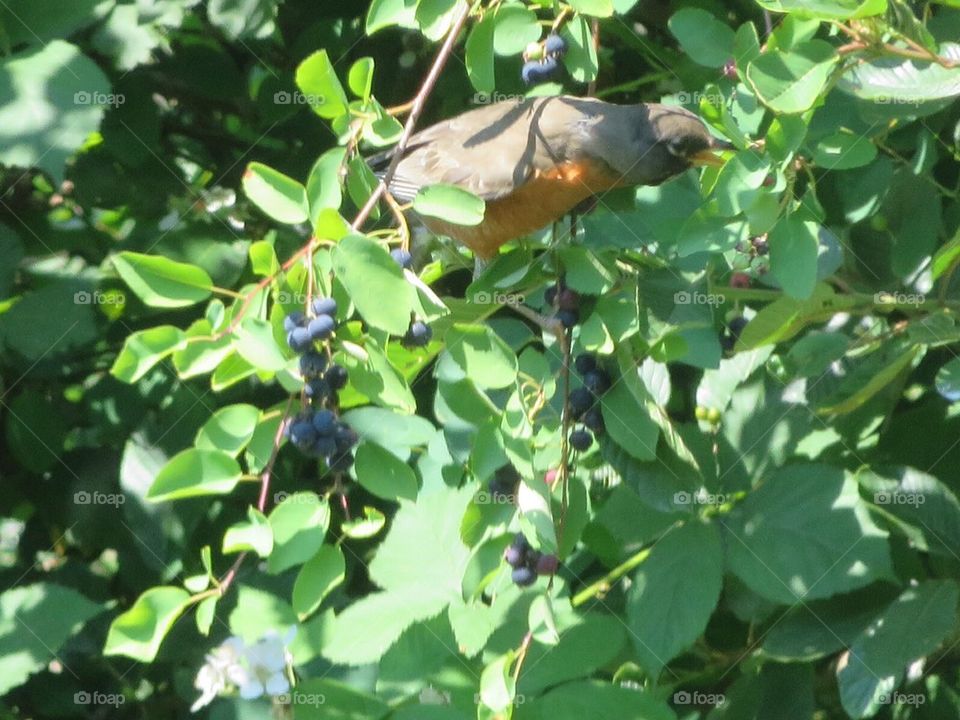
255 670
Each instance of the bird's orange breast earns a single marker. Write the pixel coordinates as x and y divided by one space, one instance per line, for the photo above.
543 199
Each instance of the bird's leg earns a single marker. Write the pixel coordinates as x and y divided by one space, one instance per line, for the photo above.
548 323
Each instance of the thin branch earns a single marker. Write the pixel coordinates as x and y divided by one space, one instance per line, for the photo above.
415 110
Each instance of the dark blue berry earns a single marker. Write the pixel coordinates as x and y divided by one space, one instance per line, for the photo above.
418 335
524 576
324 446
401 257
294 320
581 440
585 363
340 463
324 422
299 340
581 400
737 325
761 247
593 419
336 377
554 45
324 306
568 299
302 433
321 327
537 71
346 437
597 381
317 389
312 364
513 555
568 318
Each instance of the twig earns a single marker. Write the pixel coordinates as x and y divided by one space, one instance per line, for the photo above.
416 109
595 39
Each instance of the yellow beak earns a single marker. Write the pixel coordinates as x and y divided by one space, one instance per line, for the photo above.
706 157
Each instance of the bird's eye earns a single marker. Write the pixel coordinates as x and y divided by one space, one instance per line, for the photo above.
675 148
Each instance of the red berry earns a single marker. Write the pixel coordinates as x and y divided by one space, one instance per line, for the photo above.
739 280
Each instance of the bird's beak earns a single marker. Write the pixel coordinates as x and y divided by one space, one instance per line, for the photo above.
710 156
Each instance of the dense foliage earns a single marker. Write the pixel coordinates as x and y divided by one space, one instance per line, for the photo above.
265 456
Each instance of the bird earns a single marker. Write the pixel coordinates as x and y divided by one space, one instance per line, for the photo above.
533 160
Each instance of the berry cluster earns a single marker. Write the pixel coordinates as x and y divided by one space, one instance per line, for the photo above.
304 330
566 302
503 485
583 401
317 431
542 61
528 563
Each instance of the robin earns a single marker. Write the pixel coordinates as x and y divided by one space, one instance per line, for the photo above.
533 161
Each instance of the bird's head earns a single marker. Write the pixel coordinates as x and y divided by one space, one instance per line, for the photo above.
658 142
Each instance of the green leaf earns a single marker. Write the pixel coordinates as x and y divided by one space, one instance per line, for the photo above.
341 701
793 255
482 356
415 590
479 55
193 473
384 13
946 256
52 97
229 429
161 282
904 81
450 203
278 196
370 275
911 627
299 525
318 576
200 356
827 9
255 343
243 19
435 17
705 39
36 621
515 27
324 185
791 82
597 8
837 548
628 423
674 593
844 150
319 83
143 349
390 429
581 57
253 535
360 78
383 474
138 632
596 699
